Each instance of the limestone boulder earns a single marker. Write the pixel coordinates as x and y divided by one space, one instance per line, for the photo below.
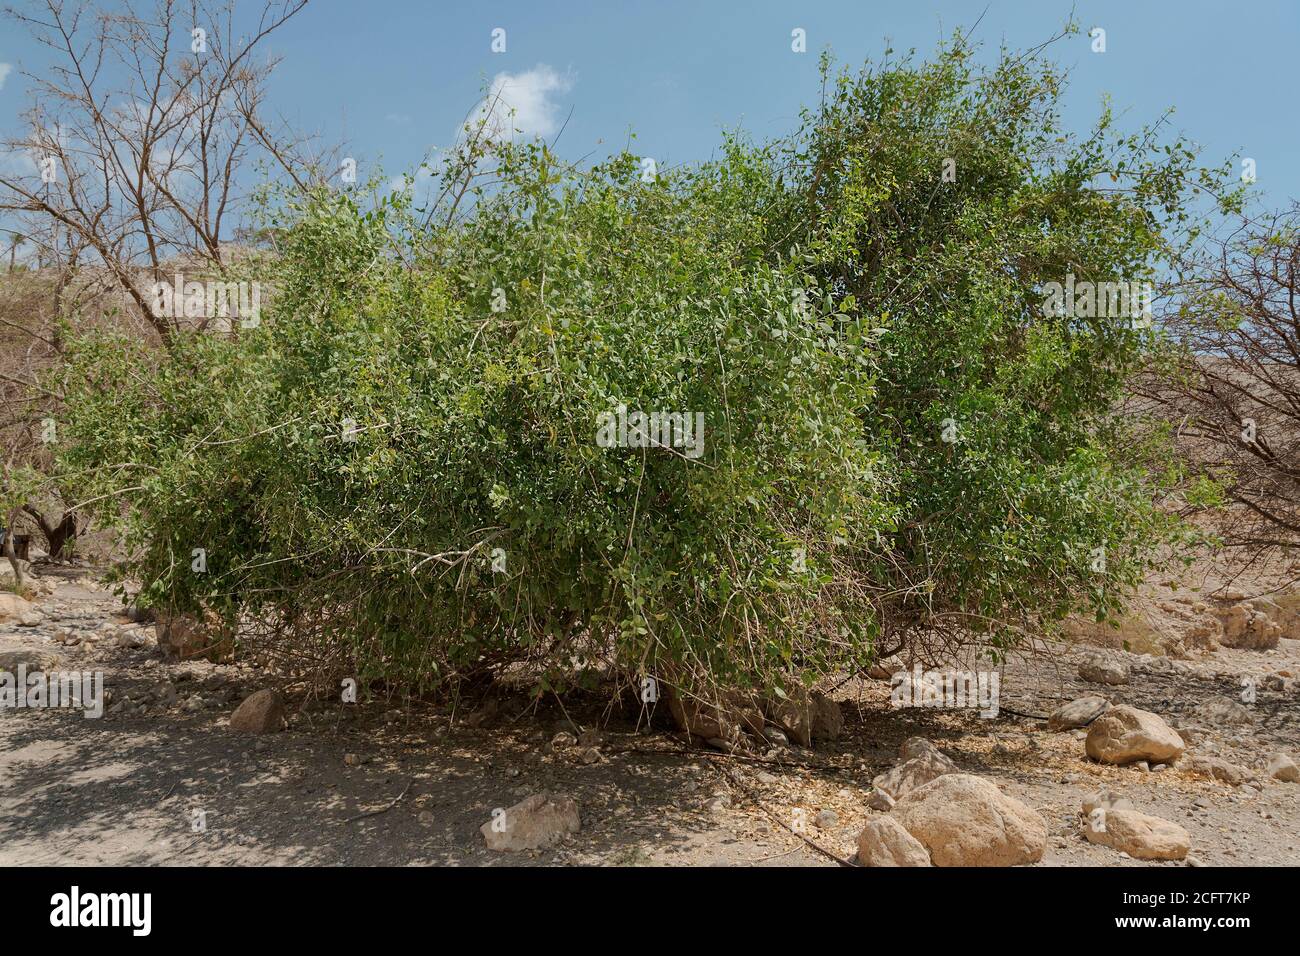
1246 627
806 717
537 821
1126 734
964 820
908 775
1138 834
1104 669
884 842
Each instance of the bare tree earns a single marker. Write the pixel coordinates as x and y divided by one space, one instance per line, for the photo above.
32 303
16 239
140 140
1233 394
141 134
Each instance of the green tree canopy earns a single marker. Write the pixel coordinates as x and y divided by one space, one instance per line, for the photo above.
425 460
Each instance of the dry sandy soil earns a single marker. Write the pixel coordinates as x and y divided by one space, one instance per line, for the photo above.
372 784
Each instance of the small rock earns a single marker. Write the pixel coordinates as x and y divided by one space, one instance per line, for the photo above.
262 712
1101 669
826 820
1214 768
885 842
902 779
1282 767
535 822
1078 713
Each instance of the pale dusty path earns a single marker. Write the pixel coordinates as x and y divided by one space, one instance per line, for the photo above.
123 789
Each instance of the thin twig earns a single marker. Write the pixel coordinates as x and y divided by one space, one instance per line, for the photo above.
375 813
749 792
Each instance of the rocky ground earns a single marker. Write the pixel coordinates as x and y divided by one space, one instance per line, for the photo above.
163 777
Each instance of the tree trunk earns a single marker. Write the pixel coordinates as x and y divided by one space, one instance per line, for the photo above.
9 551
57 536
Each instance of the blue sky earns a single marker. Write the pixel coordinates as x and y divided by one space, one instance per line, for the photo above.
397 77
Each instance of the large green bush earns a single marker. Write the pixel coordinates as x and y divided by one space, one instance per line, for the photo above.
354 464
399 470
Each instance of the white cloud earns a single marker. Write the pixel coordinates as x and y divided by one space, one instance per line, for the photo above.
516 104
5 70
521 103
